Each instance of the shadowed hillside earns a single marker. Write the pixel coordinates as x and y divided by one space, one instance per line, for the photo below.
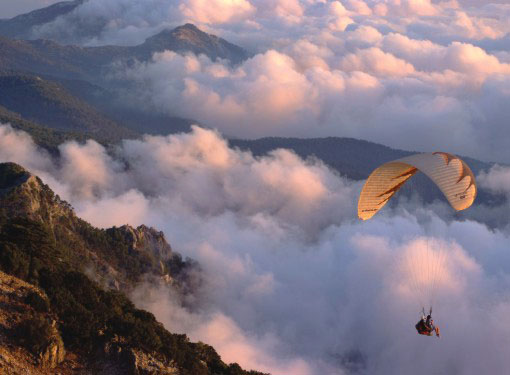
49 104
21 26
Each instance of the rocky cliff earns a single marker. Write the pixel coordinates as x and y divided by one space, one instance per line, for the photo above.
29 336
117 257
62 306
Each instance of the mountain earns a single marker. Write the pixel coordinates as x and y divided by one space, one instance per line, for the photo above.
74 108
43 136
55 317
351 157
27 322
135 117
120 256
44 57
92 63
70 89
356 159
50 104
188 38
21 26
75 82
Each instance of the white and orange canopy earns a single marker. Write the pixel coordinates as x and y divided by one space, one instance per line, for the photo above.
449 173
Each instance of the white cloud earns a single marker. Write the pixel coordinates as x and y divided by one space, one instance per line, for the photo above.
408 55
87 168
342 19
217 11
432 96
412 7
359 7
293 283
377 62
17 146
497 179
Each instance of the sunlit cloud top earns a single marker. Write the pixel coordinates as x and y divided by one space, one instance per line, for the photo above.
421 75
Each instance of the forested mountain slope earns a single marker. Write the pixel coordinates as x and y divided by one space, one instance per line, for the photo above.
66 319
50 104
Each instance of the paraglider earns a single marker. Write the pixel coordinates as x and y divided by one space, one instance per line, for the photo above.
451 175
425 325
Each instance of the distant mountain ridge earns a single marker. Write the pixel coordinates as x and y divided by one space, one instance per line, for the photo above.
45 137
189 38
71 89
50 104
355 158
82 71
21 26
91 63
185 38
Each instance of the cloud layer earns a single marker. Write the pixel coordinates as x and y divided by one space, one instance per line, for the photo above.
414 74
294 283
401 92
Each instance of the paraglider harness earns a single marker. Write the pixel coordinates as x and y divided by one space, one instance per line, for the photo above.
425 325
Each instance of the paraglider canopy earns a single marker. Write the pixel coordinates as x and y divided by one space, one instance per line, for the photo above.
451 174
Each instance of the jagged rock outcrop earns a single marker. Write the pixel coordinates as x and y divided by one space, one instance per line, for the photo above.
121 256
148 364
23 194
117 356
19 354
54 352
144 238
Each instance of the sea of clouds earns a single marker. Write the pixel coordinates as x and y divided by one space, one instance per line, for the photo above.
294 282
413 74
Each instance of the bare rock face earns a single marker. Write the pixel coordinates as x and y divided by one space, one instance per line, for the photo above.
118 357
54 353
147 364
16 311
148 239
23 194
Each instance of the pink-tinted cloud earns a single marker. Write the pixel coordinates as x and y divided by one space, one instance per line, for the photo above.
217 11
292 282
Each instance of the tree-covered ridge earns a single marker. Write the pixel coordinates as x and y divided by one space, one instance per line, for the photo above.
43 136
356 159
45 244
21 26
128 252
51 105
83 111
45 57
